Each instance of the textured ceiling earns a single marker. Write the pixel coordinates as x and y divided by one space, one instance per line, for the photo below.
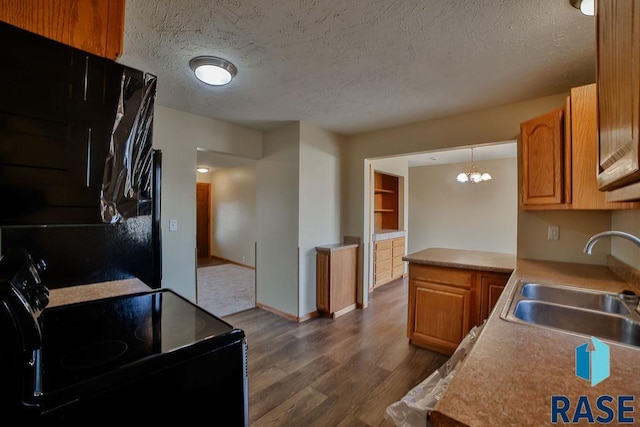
355 66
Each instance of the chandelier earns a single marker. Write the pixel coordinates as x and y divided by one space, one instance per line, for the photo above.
471 174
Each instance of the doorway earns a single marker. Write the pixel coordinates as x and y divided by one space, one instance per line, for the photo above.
203 218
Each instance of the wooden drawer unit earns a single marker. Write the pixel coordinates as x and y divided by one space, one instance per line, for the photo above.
448 276
388 264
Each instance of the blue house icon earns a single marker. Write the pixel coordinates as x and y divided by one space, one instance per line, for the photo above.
592 364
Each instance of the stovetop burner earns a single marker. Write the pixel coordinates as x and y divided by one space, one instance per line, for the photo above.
94 354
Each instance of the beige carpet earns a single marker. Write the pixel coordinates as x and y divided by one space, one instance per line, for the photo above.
226 289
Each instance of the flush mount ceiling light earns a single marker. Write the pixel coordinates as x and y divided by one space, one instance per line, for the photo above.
203 170
212 70
471 174
587 7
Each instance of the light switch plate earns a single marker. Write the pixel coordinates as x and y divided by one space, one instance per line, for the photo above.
173 225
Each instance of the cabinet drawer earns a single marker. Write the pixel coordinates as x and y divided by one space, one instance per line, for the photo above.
399 242
397 271
397 260
383 255
383 244
398 251
444 275
382 266
383 277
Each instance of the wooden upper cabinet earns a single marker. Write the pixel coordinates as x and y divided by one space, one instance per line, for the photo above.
584 152
579 159
542 150
95 26
618 79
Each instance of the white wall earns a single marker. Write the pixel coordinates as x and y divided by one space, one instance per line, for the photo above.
448 214
178 135
319 209
233 214
277 201
575 228
623 249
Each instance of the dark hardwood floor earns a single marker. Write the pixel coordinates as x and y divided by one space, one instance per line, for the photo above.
333 372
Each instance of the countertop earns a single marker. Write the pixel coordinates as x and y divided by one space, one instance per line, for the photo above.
509 376
458 258
80 293
385 234
336 246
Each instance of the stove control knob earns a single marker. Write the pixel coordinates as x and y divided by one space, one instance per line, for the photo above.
41 266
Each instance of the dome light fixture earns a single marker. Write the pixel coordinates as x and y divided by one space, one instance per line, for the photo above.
203 170
587 7
213 70
471 174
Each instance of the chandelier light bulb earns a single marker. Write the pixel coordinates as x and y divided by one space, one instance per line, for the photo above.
471 174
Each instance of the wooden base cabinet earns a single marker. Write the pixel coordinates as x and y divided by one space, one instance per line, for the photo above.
387 260
491 287
336 270
445 303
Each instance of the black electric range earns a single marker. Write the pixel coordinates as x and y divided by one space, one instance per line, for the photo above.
142 357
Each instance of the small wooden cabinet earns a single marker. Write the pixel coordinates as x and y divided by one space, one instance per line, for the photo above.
542 147
558 167
618 79
95 26
387 260
445 303
336 272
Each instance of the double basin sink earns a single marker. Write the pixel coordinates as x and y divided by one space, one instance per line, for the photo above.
604 315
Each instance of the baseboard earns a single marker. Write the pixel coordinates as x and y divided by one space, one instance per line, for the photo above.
288 316
308 316
280 313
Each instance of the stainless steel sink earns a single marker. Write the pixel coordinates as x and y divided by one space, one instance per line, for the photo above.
593 323
604 315
575 297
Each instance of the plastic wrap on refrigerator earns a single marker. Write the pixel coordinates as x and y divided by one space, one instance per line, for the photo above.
126 188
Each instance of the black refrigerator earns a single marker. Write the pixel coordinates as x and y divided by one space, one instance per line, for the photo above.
79 177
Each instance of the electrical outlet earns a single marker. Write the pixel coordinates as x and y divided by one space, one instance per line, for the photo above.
173 225
243 259
553 232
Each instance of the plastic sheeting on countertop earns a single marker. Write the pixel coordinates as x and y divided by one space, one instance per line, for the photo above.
414 408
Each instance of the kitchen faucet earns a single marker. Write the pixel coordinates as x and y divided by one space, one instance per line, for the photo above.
593 239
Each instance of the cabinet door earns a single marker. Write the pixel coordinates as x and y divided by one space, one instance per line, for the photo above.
542 149
618 79
322 281
584 152
440 316
95 26
491 287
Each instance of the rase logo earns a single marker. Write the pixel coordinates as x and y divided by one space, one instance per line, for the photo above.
592 365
